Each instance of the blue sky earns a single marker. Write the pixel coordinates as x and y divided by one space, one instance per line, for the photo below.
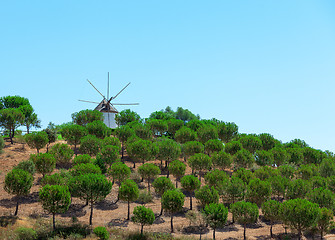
268 66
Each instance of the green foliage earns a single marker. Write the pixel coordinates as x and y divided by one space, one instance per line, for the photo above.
123 133
233 147
296 155
143 216
177 169
144 197
235 189
244 212
85 168
221 160
312 155
206 133
297 189
18 182
323 197
270 210
280 156
157 126
13 102
86 116
55 199
287 171
84 158
279 185
90 144
325 221
128 190
192 147
119 172
251 143
99 129
265 172
200 162
168 150
101 233
2 144
299 214
307 171
173 201
109 154
27 166
244 174
162 184
56 179
52 136
216 215
37 140
112 141
126 116
73 133
206 195
62 153
258 191
174 125
298 142
318 181
215 177
243 159
327 167
227 131
149 171
268 141
185 115
264 158
142 150
143 131
10 119
23 233
213 145
45 163
90 188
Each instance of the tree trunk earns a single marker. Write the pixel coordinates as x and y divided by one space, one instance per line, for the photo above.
128 211
176 183
17 207
171 222
142 230
321 233
27 129
299 234
53 221
149 185
214 234
122 150
161 213
271 230
91 215
244 237
134 165
191 202
75 149
38 151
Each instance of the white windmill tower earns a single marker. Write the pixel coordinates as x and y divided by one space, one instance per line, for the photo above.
107 107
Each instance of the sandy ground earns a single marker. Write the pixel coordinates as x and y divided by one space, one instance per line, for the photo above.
106 213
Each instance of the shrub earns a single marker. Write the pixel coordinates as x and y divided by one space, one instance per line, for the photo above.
24 233
90 144
101 233
62 153
216 215
99 129
144 197
143 216
149 171
222 160
243 159
27 166
207 195
84 158
45 163
37 140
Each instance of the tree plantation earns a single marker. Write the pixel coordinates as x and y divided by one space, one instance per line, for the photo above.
172 175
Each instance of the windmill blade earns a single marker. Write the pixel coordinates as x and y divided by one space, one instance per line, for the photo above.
96 89
88 101
125 103
118 93
108 86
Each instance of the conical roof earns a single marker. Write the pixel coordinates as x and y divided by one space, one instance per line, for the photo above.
104 106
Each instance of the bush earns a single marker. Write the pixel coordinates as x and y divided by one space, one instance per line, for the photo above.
62 153
85 158
144 197
90 144
23 233
101 233
27 166
37 140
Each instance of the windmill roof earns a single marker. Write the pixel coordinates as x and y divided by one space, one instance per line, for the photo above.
104 106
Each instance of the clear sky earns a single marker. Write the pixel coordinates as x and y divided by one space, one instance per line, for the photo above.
268 66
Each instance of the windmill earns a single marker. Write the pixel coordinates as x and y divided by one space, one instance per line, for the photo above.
107 107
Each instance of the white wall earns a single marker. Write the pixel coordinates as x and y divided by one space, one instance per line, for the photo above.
109 119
